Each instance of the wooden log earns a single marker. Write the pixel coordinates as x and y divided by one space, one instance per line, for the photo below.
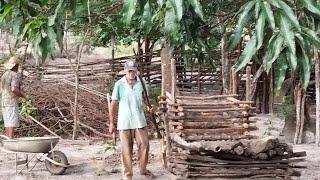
206 97
218 137
213 131
216 160
215 118
210 110
271 153
239 150
208 124
262 145
206 103
269 165
291 155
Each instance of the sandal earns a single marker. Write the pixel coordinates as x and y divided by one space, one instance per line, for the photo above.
148 174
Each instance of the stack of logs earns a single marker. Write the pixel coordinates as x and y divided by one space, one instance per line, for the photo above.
209 137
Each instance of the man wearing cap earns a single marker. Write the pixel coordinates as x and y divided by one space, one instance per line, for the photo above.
10 91
128 93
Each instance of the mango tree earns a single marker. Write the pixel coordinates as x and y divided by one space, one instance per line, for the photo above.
281 33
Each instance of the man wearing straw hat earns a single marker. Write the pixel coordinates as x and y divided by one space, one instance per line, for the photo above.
10 90
128 93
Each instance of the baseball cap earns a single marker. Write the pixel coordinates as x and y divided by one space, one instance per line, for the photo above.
131 65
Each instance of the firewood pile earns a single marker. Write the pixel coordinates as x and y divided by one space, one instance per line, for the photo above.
54 105
210 137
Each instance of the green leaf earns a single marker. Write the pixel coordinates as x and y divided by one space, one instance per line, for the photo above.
292 58
311 35
280 70
287 33
147 18
170 23
242 22
6 10
178 8
17 25
310 6
290 14
273 52
260 29
267 9
274 3
52 39
52 19
304 62
257 8
25 29
247 53
160 3
197 8
36 45
129 8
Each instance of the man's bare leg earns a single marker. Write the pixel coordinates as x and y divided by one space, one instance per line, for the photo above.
9 132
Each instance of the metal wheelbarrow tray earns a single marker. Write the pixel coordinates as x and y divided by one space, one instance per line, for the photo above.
56 162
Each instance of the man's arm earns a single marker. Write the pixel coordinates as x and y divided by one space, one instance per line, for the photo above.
17 92
113 107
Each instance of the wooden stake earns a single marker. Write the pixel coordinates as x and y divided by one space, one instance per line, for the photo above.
298 91
248 82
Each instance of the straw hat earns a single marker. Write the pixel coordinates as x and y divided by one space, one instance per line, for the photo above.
11 62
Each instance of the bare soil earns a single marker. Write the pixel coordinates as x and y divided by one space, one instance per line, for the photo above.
89 160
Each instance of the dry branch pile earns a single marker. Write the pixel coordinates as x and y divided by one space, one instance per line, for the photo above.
55 104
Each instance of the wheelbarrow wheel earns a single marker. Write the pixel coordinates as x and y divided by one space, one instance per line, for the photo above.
58 157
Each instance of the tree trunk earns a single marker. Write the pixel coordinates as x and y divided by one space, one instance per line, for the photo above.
298 97
76 95
271 90
166 87
317 79
224 59
165 70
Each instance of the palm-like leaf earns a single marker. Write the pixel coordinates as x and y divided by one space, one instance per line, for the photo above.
290 14
311 36
287 34
197 8
260 25
247 53
304 60
129 8
178 7
146 18
280 70
268 11
170 23
311 6
243 20
273 52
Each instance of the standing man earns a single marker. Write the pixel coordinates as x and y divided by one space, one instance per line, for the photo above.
128 93
10 90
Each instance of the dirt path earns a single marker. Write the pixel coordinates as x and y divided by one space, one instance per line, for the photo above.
89 161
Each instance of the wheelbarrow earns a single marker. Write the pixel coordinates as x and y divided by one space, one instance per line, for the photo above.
55 161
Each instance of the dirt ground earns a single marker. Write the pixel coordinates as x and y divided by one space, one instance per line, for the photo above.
89 160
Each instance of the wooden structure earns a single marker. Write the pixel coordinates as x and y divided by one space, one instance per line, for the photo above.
210 136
